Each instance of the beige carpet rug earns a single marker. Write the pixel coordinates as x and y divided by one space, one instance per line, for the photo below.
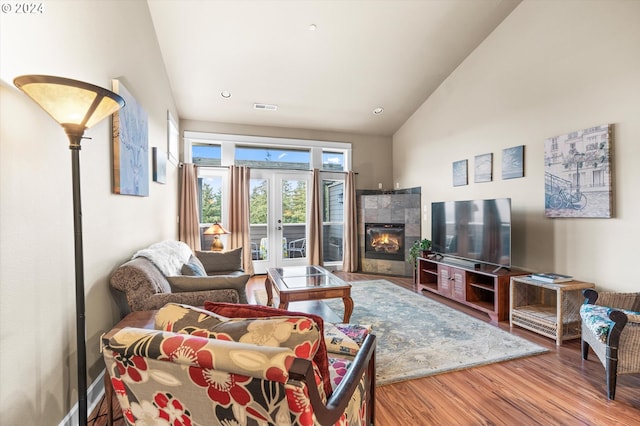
419 337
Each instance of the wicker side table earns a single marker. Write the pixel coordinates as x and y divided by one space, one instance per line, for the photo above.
549 309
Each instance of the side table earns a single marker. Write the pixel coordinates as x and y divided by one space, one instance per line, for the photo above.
549 309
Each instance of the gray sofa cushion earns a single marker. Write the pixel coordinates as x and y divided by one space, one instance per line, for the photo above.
185 283
193 268
221 261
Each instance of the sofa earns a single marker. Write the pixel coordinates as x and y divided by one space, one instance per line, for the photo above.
198 367
169 271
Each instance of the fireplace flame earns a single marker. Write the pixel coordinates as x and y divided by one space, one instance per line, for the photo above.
385 243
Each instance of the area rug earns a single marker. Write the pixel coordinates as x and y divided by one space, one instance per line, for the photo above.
420 337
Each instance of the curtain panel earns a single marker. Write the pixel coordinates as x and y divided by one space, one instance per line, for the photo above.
315 223
239 177
350 258
189 227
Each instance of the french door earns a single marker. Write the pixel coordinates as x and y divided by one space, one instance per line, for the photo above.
279 211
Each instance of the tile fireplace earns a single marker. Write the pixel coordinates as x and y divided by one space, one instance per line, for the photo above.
384 241
388 224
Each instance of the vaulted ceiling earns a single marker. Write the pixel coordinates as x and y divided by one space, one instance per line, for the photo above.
325 64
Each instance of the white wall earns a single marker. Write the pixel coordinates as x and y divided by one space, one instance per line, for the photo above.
550 68
93 41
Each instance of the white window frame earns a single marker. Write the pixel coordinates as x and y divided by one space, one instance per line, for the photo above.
335 176
229 142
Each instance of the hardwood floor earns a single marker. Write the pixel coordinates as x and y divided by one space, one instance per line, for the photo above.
555 388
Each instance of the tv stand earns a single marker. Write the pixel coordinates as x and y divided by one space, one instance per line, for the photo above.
477 285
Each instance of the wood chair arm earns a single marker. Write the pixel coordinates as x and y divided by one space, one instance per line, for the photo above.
620 320
302 370
591 295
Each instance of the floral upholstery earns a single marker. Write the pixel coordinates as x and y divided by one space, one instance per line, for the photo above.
300 334
238 310
338 369
611 328
596 318
207 369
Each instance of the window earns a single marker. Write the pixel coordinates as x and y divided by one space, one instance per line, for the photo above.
206 154
332 161
332 219
211 199
214 152
215 149
598 178
273 158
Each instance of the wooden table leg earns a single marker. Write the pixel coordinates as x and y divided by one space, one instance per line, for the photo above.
284 301
348 308
268 286
108 397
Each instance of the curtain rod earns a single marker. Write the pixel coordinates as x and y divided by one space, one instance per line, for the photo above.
258 168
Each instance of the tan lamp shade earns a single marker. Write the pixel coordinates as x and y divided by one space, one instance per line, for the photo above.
71 103
216 230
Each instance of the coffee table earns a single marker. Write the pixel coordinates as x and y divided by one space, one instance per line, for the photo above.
297 283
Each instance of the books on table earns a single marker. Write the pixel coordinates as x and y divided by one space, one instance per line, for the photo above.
550 277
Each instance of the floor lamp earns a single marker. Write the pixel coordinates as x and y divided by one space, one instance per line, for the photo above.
76 106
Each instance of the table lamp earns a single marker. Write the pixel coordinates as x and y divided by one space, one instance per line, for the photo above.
216 230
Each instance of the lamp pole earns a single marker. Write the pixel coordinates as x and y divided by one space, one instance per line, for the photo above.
75 136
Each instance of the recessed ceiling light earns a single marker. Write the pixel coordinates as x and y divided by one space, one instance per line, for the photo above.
225 94
378 110
313 27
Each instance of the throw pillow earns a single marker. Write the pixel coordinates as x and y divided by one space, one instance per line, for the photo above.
232 310
193 268
297 333
344 338
184 283
178 318
221 261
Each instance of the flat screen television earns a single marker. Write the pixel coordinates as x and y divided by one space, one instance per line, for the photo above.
475 230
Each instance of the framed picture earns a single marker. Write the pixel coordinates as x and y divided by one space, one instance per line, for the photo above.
578 173
173 140
483 168
159 159
513 162
460 173
130 146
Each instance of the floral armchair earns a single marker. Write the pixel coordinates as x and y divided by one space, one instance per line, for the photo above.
202 368
611 327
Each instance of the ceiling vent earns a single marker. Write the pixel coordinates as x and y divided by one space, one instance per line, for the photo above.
265 107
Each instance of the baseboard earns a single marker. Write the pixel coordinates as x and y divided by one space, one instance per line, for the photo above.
94 395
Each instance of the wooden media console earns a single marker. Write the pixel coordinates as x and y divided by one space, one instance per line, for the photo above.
480 286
